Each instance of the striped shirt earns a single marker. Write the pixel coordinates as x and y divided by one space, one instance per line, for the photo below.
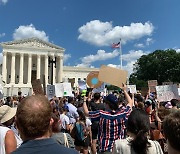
111 126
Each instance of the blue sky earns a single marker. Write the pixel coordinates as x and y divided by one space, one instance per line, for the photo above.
87 28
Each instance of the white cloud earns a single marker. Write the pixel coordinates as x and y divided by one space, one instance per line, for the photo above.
3 1
131 58
2 35
177 50
149 41
66 57
103 33
100 56
139 45
29 31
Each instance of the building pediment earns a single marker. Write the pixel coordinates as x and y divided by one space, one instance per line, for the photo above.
31 43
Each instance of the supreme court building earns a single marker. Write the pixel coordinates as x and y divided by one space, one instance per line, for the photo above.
29 59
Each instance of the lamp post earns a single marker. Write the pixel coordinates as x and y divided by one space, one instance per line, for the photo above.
51 62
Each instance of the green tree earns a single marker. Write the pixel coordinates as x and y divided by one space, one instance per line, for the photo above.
161 65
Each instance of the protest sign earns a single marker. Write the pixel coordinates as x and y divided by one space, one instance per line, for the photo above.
92 80
112 75
37 87
144 91
132 89
59 90
50 91
67 89
167 92
82 85
152 85
63 89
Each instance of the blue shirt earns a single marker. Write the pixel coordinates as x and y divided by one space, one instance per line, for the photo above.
43 146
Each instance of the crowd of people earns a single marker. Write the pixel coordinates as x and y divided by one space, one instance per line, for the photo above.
118 123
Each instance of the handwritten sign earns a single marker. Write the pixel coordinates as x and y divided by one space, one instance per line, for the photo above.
167 92
50 91
152 85
132 89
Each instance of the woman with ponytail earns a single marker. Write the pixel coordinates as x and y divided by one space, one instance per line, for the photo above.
138 127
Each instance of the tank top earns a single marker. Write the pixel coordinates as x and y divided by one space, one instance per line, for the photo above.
3 131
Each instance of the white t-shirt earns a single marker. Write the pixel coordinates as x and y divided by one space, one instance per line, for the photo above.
123 146
64 121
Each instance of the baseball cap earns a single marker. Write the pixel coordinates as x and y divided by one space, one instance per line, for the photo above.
111 98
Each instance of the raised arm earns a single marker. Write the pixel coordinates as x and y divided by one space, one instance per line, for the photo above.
86 111
129 100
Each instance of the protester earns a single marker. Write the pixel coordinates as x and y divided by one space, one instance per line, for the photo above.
60 137
65 125
171 128
72 114
8 101
138 126
174 103
95 105
83 135
7 138
34 121
111 122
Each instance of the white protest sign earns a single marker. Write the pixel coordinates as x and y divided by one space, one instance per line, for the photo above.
179 91
132 89
167 92
50 91
59 90
63 89
67 89
82 85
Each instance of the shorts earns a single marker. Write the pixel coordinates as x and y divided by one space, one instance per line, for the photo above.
94 134
84 143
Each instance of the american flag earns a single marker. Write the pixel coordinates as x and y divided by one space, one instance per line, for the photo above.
116 45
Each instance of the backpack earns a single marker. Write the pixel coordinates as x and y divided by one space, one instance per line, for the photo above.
78 131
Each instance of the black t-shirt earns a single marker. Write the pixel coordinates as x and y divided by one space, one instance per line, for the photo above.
94 107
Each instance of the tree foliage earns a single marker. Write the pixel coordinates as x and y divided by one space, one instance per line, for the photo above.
161 65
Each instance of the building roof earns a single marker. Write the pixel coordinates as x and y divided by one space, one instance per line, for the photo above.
32 42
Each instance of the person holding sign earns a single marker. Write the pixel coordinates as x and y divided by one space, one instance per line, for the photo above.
111 122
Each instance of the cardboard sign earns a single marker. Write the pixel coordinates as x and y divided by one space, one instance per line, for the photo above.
82 85
112 75
92 80
37 87
144 91
132 89
152 85
167 92
50 91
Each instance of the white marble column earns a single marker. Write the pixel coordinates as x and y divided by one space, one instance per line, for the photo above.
46 70
29 69
21 71
54 71
13 68
60 75
4 69
38 66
